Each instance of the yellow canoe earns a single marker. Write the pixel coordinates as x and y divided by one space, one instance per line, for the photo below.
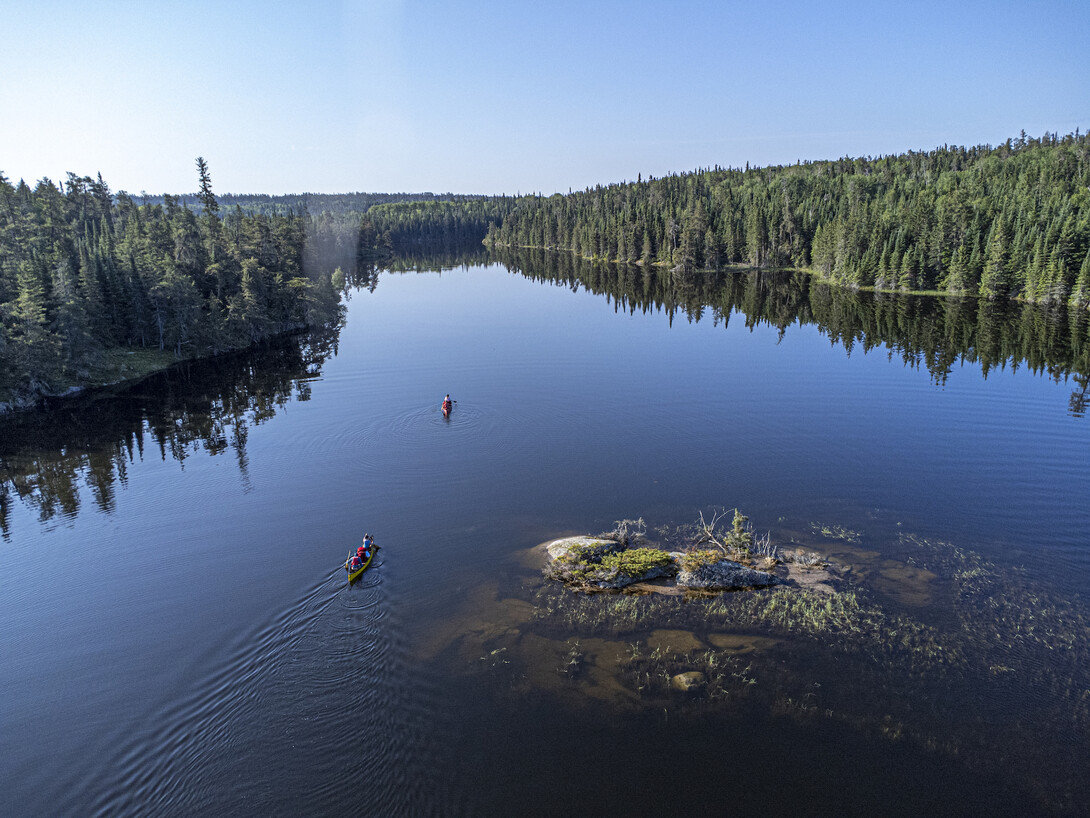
359 571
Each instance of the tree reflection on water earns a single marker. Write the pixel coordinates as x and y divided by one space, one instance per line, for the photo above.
197 405
934 333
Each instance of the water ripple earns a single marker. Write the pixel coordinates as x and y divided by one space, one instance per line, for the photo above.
315 683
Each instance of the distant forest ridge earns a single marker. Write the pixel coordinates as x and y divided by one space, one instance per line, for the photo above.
998 222
405 222
338 204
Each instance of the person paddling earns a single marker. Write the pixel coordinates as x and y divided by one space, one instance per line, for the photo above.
447 404
364 551
359 558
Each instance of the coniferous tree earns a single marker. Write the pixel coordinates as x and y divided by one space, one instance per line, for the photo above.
32 348
207 199
647 254
1081 295
71 317
995 280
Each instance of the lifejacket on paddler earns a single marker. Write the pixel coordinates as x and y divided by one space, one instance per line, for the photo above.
446 406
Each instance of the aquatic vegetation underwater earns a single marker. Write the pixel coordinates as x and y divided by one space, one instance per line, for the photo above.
835 532
993 670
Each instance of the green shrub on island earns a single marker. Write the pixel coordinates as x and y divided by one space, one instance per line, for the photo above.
636 562
606 564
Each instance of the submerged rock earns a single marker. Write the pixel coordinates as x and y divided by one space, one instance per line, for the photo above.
688 682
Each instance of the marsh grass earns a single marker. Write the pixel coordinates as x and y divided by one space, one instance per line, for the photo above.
573 661
1016 629
844 621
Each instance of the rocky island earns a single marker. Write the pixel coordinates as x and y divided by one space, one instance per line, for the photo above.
711 561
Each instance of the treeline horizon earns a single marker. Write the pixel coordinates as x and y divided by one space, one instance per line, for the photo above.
1011 221
338 204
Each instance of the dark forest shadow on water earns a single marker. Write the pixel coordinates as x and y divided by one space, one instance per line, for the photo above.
925 332
50 458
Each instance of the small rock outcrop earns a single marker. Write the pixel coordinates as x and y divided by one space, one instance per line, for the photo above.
606 564
710 571
590 548
597 562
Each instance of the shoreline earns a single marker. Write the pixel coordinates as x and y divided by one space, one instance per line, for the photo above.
125 366
814 274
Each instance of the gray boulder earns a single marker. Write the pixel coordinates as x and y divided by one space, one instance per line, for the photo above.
723 575
583 548
621 577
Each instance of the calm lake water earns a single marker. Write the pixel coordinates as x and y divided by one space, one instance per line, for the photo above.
178 638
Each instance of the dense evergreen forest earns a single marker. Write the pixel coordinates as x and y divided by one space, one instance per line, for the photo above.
86 274
440 226
1008 221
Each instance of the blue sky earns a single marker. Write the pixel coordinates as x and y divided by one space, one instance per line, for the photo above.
491 97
